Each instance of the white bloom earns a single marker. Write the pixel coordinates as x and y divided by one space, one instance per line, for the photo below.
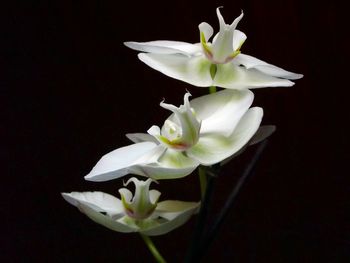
205 131
139 213
217 63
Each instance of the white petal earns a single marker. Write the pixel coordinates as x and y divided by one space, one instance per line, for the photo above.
206 29
170 209
193 70
221 111
213 148
171 165
98 201
106 221
238 39
126 193
154 195
232 76
141 137
269 69
165 47
116 163
176 222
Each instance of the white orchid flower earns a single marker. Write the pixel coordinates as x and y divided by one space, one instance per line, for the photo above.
139 213
217 63
205 131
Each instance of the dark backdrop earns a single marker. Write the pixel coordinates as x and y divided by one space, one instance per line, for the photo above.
72 90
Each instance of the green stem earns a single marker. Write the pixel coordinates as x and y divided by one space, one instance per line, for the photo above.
202 180
212 89
153 249
193 252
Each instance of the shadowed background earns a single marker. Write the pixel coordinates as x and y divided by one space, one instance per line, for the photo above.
72 90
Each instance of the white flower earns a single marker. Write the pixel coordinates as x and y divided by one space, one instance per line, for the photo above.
217 63
205 131
139 213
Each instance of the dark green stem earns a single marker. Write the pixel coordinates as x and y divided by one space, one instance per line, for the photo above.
152 248
202 180
232 197
193 251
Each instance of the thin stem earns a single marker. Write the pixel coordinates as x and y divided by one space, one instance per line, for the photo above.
212 89
193 250
232 197
202 180
153 249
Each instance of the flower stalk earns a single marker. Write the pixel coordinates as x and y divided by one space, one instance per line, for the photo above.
153 249
231 199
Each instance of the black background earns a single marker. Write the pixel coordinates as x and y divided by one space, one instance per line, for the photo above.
72 90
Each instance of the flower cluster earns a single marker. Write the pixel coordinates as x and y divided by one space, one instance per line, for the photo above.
203 131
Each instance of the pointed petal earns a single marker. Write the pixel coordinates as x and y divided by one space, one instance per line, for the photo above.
165 47
222 23
236 21
206 29
141 137
232 76
222 47
213 148
269 69
194 70
221 111
99 201
116 163
176 222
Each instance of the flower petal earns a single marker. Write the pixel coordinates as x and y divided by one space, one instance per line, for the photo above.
98 201
193 70
206 29
171 165
170 209
232 76
269 69
117 163
176 221
213 148
106 221
141 137
238 39
165 47
222 47
221 111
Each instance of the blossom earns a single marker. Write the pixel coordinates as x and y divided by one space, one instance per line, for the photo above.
203 131
217 63
140 212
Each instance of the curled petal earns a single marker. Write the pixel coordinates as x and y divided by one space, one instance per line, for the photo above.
183 136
